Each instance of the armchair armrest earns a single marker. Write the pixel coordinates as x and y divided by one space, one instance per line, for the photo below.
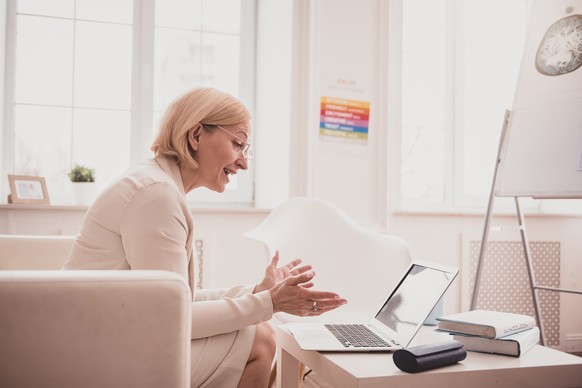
94 329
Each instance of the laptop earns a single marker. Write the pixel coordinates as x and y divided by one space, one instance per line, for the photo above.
396 323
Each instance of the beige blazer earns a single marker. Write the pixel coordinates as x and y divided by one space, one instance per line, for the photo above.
142 221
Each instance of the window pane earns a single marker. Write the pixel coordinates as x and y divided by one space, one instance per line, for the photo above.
43 144
188 58
492 60
423 100
221 62
115 11
101 141
221 15
178 64
421 178
156 127
179 14
59 8
182 62
103 65
48 42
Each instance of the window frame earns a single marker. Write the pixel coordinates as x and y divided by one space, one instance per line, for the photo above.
454 201
142 84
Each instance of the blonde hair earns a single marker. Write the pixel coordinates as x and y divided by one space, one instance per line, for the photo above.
198 106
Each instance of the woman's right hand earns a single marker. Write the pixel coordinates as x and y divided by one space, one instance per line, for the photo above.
294 295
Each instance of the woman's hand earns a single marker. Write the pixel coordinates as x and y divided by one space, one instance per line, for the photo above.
294 296
274 275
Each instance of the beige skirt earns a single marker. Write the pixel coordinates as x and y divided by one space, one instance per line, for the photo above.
219 361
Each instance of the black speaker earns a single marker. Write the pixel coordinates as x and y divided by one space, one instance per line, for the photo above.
430 356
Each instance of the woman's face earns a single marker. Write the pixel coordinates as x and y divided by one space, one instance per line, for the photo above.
219 154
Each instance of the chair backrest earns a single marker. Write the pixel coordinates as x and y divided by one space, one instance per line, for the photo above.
28 252
361 265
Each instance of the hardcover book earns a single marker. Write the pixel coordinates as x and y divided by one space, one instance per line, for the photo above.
485 323
511 345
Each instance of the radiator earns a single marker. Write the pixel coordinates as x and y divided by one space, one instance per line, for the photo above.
199 256
505 283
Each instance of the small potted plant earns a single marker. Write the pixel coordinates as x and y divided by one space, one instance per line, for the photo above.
84 189
81 173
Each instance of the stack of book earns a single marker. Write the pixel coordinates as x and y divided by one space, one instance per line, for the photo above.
492 331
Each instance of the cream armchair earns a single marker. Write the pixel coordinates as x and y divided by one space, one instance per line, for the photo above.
88 329
34 252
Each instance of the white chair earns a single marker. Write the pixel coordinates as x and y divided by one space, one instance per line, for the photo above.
361 265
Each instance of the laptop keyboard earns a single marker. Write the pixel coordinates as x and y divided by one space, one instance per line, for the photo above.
356 335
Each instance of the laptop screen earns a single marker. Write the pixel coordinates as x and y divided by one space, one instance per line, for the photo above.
413 299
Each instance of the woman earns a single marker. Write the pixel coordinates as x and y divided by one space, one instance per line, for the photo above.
142 221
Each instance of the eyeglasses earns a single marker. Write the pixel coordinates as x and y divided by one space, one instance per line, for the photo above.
247 149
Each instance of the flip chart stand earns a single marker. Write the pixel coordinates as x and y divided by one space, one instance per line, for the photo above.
534 287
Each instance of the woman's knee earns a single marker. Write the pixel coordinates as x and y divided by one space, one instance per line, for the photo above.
265 338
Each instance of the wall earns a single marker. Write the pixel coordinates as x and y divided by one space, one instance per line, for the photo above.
346 67
229 257
272 121
441 238
339 57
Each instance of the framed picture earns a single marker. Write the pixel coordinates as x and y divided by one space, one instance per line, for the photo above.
28 189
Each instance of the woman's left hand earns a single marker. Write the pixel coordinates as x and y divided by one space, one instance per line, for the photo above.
274 274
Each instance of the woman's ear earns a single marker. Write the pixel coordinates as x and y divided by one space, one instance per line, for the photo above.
194 136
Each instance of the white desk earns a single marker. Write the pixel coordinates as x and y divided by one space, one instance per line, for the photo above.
540 367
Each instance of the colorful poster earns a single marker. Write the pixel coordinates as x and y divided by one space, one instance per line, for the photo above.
343 118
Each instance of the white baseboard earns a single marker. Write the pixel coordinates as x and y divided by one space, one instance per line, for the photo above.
573 343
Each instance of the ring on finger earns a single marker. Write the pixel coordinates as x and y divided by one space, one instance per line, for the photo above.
314 306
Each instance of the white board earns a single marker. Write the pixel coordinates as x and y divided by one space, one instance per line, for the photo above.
543 153
542 149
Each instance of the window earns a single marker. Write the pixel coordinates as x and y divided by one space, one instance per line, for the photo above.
460 62
198 43
87 80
